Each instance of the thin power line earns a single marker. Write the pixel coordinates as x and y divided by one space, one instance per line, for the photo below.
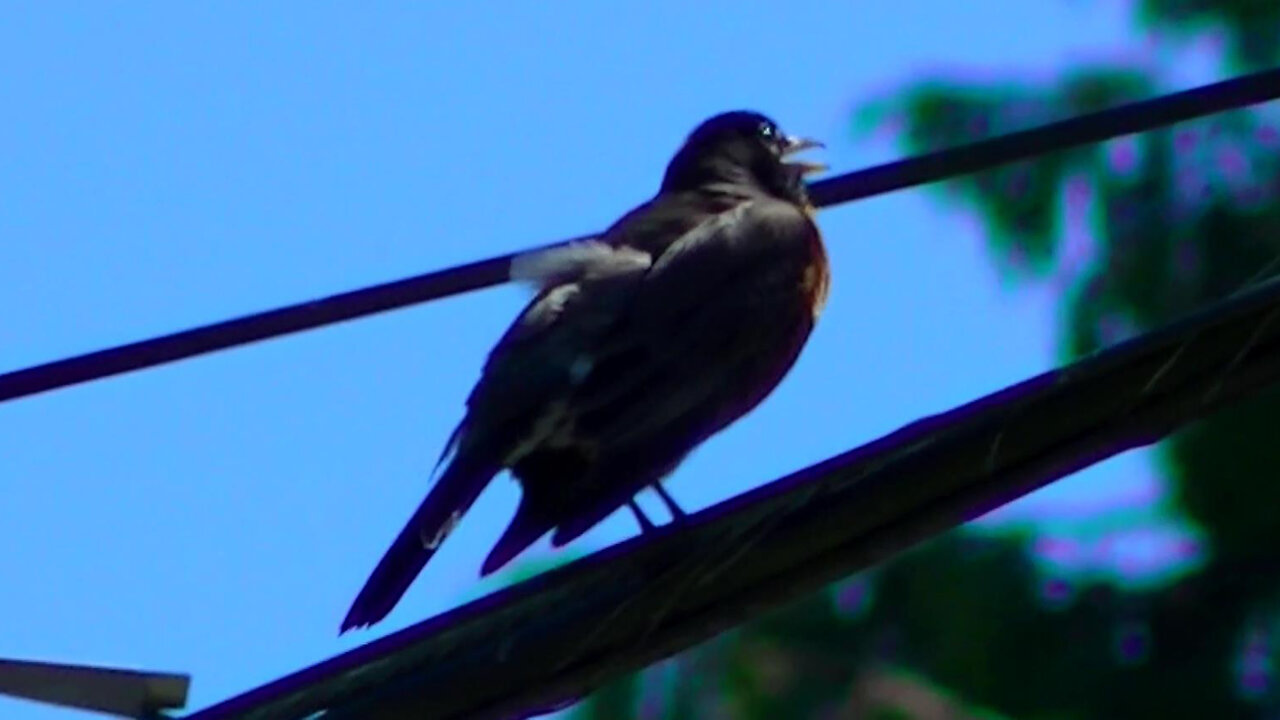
1123 120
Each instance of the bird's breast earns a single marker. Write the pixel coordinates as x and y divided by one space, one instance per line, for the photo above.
815 281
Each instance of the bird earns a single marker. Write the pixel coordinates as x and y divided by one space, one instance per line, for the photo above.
637 346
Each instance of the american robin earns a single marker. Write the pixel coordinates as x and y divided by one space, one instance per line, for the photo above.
638 346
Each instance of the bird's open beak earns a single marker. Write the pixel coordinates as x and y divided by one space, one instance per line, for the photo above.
798 144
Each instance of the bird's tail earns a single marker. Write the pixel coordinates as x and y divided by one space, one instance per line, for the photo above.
545 475
453 494
525 529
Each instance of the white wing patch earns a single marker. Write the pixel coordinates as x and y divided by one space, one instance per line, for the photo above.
565 263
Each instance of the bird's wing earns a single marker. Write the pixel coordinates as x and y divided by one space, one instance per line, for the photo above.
713 297
721 317
598 327
690 345
596 347
582 287
535 363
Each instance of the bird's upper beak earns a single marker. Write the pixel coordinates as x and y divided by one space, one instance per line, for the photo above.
793 145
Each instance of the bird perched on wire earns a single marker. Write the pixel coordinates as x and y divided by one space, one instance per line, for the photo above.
638 346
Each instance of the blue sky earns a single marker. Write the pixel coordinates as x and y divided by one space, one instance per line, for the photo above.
166 165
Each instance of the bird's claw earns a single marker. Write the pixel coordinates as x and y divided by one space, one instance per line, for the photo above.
676 512
646 525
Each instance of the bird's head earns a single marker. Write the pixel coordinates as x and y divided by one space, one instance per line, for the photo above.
742 147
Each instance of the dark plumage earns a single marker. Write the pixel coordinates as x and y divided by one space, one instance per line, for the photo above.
638 346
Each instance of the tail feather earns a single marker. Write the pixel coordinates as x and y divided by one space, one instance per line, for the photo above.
573 528
545 474
526 527
450 498
625 479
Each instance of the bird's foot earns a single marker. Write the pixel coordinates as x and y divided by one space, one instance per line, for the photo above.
676 513
646 525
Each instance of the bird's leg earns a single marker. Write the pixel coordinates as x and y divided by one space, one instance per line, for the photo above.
646 525
672 507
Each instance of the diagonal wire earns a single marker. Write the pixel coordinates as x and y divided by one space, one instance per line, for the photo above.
1094 127
539 644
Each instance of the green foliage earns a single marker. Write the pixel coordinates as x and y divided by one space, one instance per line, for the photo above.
1180 218
1018 202
1225 476
969 626
616 701
1251 28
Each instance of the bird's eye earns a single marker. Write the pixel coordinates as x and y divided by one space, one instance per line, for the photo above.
767 130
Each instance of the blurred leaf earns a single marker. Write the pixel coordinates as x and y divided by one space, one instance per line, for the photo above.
1250 28
1018 202
616 701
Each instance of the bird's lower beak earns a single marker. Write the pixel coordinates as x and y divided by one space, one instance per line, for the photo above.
799 144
